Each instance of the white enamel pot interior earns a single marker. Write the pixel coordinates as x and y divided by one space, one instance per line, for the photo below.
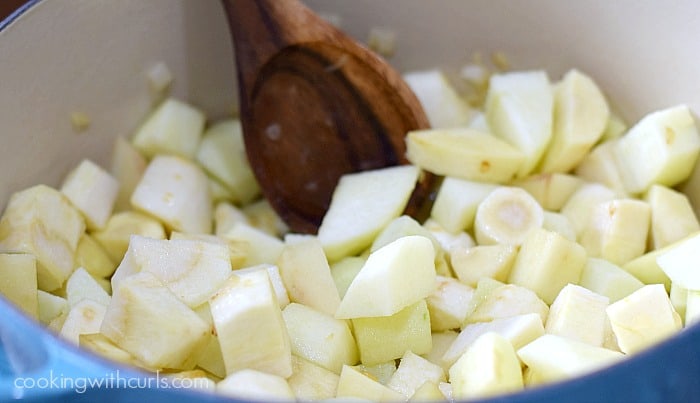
58 57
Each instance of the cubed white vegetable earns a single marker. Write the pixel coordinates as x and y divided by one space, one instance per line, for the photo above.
176 191
304 260
556 357
362 204
222 154
441 102
18 282
519 110
255 385
579 314
147 320
661 148
394 277
193 270
250 327
174 128
643 318
320 338
42 221
488 367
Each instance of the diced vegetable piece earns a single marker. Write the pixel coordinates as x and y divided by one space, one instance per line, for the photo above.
176 191
18 282
299 263
258 246
128 166
354 384
679 262
551 190
174 128
557 222
672 216
579 206
647 270
608 279
85 317
443 106
93 191
456 203
91 256
506 216
115 237
581 114
643 318
50 306
192 270
275 278
518 330
464 153
320 338
42 221
556 358
394 277
661 148
488 367
493 261
519 110
250 327
448 304
547 262
310 381
226 216
506 301
81 285
99 344
384 338
222 154
599 166
147 320
617 230
412 372
255 385
362 204
579 314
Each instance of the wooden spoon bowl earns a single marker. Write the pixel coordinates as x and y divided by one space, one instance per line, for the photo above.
315 105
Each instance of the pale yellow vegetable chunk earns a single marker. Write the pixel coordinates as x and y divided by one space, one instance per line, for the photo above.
643 318
255 385
361 205
488 367
250 327
661 148
384 338
579 314
18 282
519 109
174 128
354 384
320 338
395 276
546 263
581 115
139 320
304 260
465 154
42 221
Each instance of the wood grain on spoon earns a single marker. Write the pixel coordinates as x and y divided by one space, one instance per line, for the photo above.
315 105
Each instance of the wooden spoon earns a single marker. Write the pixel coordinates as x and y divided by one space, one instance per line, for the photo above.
315 105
